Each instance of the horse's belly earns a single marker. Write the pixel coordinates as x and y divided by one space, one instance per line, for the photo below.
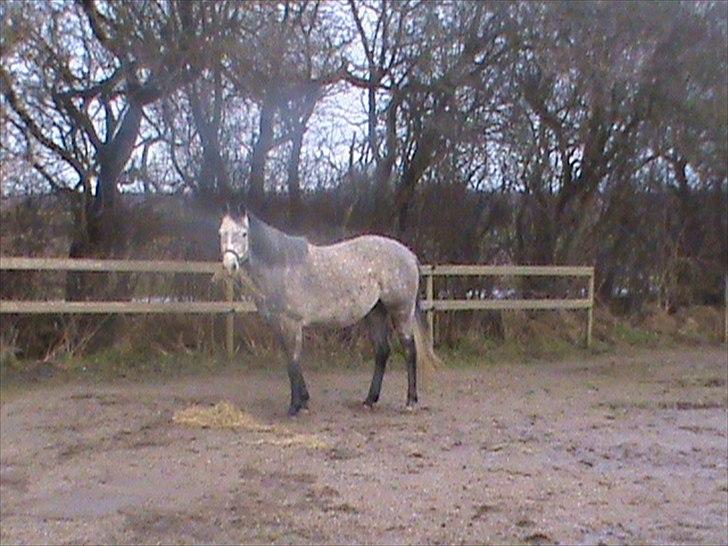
340 306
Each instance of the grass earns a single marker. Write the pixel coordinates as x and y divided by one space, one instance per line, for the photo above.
115 362
529 341
636 336
108 365
470 351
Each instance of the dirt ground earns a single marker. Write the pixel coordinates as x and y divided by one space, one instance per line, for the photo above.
607 450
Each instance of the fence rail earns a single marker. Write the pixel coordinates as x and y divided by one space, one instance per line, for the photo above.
107 266
510 270
430 305
229 307
123 307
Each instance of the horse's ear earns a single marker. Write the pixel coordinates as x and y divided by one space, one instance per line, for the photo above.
240 211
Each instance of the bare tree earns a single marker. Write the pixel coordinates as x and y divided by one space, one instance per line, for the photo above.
89 114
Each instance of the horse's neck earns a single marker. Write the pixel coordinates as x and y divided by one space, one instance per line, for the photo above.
270 247
252 271
250 278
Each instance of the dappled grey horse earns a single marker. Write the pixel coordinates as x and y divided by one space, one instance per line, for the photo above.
298 284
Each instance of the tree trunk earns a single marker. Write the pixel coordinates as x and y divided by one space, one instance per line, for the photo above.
105 232
113 157
256 189
214 180
294 182
424 154
383 171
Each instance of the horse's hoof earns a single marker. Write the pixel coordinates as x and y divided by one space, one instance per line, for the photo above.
305 410
369 406
411 406
293 411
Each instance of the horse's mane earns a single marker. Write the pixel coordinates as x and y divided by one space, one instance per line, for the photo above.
271 247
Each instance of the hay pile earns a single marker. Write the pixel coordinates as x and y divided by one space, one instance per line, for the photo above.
310 441
225 415
221 415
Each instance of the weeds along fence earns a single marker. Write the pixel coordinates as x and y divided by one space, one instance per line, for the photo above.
228 306
476 302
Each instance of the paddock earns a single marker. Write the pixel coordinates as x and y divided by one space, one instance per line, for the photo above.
608 449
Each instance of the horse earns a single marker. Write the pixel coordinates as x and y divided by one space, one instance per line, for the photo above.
296 284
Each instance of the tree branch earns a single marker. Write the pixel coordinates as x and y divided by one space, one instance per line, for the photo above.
30 125
81 120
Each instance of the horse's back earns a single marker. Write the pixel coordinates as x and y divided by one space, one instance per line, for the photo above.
373 262
371 253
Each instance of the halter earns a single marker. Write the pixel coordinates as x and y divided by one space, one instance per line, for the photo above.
238 260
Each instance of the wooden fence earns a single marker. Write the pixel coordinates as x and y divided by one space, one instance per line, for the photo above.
229 306
430 305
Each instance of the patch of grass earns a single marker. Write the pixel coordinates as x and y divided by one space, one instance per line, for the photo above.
115 363
528 339
8 363
10 369
469 351
636 336
111 364
8 351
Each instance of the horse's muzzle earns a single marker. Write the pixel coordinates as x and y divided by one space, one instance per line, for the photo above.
231 260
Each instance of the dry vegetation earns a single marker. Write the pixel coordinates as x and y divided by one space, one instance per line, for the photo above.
127 345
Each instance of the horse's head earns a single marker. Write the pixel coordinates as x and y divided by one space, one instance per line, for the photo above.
234 242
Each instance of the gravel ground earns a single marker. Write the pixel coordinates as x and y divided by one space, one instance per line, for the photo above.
607 450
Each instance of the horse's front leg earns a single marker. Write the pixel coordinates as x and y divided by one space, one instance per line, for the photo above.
292 341
299 393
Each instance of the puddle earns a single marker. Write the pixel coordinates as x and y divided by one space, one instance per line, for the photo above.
85 504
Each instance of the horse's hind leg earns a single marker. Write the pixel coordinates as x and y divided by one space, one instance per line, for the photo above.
378 333
405 329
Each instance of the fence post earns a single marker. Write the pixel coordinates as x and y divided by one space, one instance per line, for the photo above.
430 293
590 311
229 319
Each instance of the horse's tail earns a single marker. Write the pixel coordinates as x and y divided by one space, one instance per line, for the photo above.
427 361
